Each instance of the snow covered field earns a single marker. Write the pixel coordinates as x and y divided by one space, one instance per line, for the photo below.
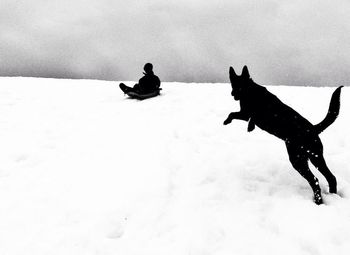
85 170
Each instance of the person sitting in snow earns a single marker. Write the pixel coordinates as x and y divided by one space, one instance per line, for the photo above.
147 84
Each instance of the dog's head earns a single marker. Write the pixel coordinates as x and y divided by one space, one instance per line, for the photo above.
238 83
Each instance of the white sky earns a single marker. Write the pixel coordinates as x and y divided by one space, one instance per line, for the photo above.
282 42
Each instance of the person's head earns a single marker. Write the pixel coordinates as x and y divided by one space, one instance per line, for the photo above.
148 68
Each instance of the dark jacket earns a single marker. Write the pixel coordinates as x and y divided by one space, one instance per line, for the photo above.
149 83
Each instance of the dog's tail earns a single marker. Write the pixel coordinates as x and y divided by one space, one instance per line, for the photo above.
333 111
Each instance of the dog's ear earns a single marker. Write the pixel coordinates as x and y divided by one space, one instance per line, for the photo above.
232 72
245 72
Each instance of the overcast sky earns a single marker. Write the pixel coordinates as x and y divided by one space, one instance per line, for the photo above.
283 42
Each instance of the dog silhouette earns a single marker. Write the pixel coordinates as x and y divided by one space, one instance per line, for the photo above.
263 109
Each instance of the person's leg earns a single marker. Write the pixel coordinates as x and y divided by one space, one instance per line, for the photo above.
136 88
125 88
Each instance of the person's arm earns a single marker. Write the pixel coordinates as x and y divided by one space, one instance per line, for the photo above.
157 82
142 85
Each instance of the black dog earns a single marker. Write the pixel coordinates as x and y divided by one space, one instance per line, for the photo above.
261 108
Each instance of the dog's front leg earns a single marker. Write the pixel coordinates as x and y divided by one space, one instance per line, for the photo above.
236 115
251 125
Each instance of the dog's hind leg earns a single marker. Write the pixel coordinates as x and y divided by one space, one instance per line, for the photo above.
300 162
318 161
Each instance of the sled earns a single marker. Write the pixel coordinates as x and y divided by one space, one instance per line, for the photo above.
139 96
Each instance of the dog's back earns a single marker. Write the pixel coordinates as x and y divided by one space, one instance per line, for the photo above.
272 115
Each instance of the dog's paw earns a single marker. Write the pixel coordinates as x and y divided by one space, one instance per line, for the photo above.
318 199
227 121
251 128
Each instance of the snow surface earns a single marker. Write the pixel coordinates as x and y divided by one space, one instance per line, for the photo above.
85 170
